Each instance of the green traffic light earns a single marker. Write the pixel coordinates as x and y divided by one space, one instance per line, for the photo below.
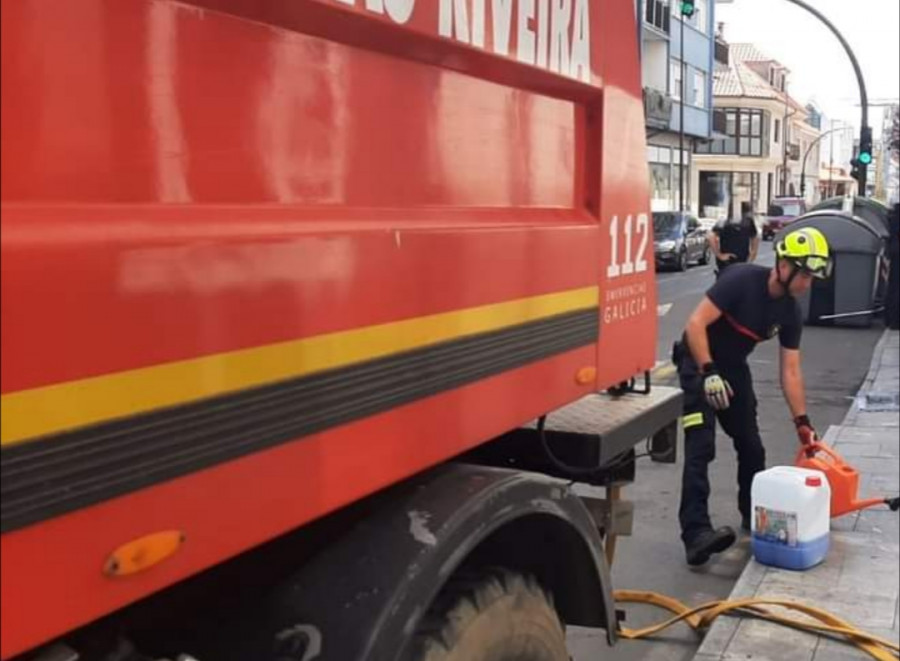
865 158
687 8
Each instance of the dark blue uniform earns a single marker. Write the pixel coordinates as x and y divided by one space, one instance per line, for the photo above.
749 316
735 237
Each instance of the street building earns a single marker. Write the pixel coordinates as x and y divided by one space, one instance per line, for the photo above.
662 71
837 150
766 136
888 173
836 181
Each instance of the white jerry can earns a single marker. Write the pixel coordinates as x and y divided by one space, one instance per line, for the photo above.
791 517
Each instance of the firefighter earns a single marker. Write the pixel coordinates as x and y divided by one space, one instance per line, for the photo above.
735 242
747 305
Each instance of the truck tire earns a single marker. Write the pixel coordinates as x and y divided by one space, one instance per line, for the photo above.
499 616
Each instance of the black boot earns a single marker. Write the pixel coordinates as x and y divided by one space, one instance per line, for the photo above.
707 542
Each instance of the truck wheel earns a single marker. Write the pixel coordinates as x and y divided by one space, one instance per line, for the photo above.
499 616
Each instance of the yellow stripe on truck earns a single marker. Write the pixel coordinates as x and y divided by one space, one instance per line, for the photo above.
40 411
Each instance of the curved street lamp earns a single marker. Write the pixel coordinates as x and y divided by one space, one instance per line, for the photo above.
865 132
806 155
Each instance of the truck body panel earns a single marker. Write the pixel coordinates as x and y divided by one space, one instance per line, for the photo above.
262 259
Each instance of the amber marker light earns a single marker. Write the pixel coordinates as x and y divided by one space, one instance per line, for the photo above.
143 553
586 376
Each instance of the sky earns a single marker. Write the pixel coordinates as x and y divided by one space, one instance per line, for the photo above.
820 69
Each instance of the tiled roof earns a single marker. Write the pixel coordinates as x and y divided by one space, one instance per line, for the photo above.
738 79
749 53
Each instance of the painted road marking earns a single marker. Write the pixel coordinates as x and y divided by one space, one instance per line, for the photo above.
664 371
662 310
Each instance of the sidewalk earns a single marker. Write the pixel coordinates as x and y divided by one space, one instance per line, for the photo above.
859 579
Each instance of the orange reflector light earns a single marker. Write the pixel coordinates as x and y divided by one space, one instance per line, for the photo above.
586 376
143 553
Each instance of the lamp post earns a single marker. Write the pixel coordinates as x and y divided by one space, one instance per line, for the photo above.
785 136
687 9
831 162
865 132
805 156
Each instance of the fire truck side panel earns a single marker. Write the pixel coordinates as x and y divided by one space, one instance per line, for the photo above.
627 342
254 270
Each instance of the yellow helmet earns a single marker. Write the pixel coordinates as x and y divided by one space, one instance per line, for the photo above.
807 249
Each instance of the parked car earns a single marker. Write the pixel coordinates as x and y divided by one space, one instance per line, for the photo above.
679 239
782 211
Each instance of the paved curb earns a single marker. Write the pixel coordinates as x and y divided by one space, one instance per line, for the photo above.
859 579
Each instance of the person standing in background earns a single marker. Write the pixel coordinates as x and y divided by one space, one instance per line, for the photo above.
735 241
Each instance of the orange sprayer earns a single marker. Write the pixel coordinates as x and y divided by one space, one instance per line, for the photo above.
843 478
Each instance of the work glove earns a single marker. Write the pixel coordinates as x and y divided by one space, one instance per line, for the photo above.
805 431
716 389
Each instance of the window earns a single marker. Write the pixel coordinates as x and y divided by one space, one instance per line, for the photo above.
722 193
658 154
777 131
676 182
660 181
699 89
675 79
664 173
747 131
731 122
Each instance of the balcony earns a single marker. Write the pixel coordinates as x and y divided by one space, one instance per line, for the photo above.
721 52
657 108
794 151
656 14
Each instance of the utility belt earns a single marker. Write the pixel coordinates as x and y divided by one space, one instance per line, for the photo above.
677 352
681 355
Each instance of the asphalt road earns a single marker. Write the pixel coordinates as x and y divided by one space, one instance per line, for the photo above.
835 362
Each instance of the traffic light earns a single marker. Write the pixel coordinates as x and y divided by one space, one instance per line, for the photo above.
865 146
854 168
688 8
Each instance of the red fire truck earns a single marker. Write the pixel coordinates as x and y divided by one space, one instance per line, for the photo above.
311 310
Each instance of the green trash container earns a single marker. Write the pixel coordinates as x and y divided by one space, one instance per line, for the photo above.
878 216
873 211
